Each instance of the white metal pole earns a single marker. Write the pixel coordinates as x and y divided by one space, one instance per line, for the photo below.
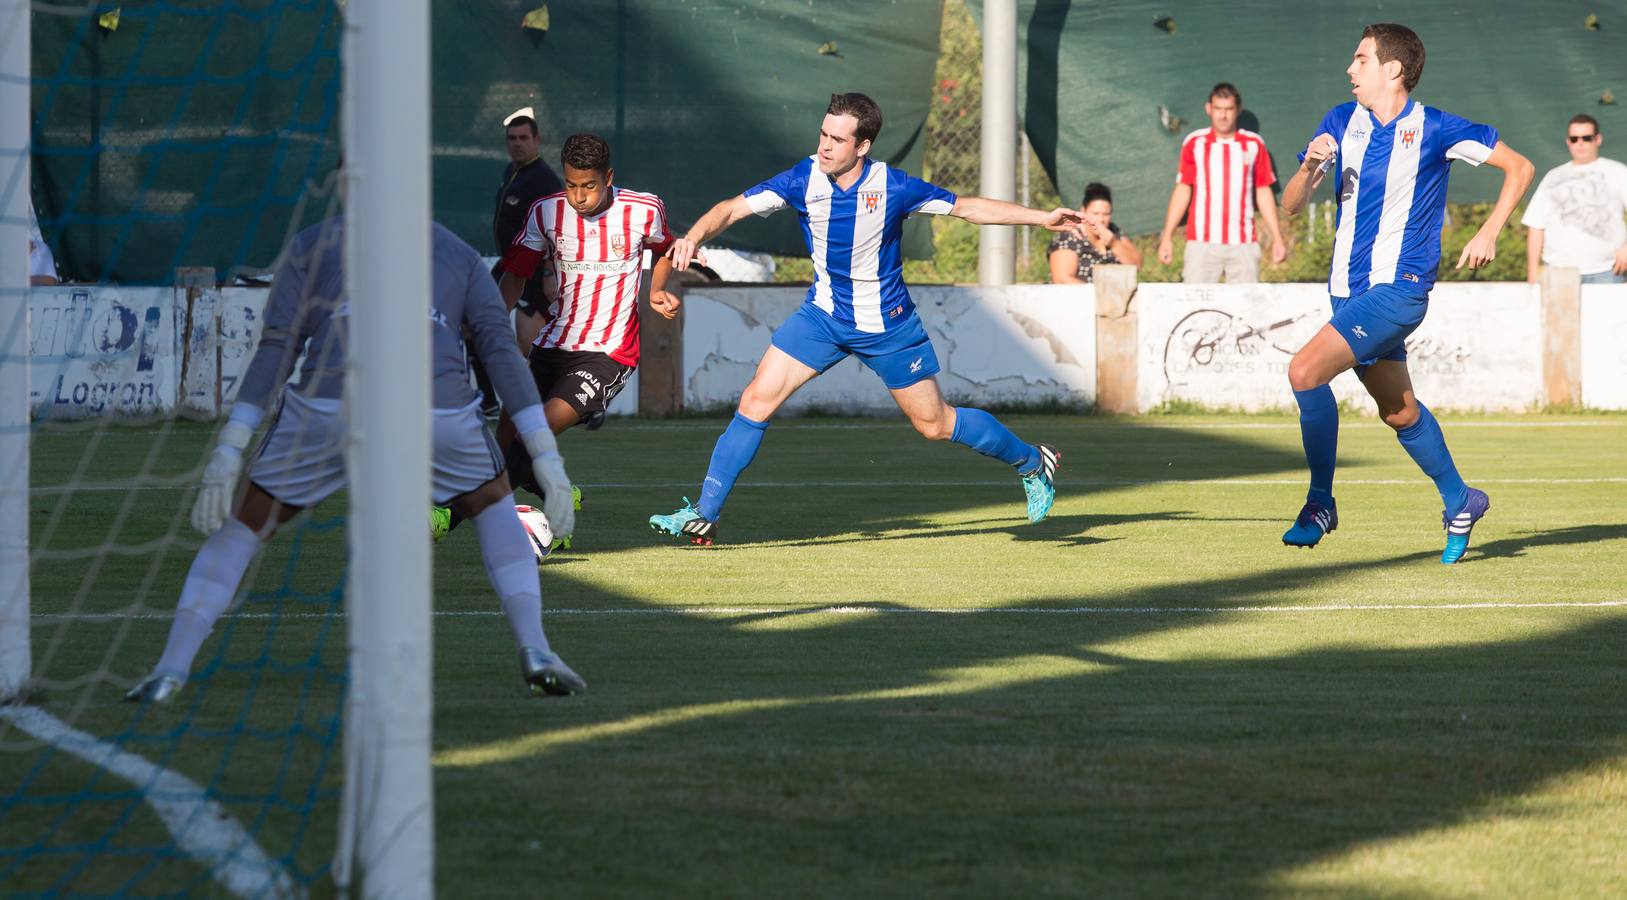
1026 197
996 256
15 656
389 807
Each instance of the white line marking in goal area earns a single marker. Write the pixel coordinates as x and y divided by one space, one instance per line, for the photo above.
855 610
1003 482
202 828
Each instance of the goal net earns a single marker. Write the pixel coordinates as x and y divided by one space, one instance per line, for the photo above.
166 152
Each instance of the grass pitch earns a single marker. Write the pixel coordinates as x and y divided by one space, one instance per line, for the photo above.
885 682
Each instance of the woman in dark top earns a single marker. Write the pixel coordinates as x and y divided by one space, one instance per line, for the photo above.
1073 254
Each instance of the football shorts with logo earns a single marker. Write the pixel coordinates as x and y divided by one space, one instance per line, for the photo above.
1377 322
301 460
902 355
588 381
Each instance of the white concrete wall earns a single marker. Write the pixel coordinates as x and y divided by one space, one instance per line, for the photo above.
1604 346
1022 343
107 349
100 350
1480 347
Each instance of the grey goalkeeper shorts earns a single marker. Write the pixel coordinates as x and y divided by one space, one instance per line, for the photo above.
301 459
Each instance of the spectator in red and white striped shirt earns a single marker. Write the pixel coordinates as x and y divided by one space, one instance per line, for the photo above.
1224 176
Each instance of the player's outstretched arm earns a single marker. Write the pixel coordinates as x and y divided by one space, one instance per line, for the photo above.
1319 154
986 211
716 221
1517 175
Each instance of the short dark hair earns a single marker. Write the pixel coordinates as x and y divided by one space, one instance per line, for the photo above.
859 107
1402 44
1226 89
1583 119
586 151
1096 191
527 121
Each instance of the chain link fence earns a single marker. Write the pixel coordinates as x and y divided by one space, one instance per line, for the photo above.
953 159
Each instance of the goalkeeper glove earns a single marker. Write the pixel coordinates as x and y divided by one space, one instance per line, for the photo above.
214 501
549 468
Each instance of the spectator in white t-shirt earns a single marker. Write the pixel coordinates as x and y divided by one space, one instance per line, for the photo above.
41 264
1575 217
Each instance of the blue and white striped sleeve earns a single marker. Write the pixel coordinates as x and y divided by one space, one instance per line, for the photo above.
926 199
1333 125
1466 140
775 194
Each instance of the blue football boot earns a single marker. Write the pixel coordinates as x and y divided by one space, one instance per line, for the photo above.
1040 484
687 522
1314 521
1459 526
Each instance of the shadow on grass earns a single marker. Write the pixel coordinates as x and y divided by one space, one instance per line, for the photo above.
1063 530
1031 752
895 481
1516 545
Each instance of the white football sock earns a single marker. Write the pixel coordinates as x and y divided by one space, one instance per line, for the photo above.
512 566
210 585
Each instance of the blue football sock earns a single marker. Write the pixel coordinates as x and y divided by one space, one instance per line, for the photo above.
984 433
1319 432
1427 447
733 453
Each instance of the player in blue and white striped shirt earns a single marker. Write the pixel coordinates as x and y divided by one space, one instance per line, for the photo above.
852 211
1393 156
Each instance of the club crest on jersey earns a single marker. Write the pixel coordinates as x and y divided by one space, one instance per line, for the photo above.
871 200
1408 136
618 244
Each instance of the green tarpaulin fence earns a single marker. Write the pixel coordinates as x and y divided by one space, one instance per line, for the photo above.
185 134
1093 75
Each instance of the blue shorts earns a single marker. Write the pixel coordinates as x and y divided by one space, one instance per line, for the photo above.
902 355
1376 323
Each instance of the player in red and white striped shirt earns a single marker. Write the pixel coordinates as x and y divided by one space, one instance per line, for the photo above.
595 234
1225 175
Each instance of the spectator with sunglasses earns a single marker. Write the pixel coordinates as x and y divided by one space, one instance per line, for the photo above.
1575 217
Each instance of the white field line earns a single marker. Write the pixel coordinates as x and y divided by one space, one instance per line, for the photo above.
202 828
900 424
858 610
1136 424
1002 482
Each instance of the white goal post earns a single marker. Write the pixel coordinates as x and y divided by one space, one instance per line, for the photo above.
387 822
15 654
386 845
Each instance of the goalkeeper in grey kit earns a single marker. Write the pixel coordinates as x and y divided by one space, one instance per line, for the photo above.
301 459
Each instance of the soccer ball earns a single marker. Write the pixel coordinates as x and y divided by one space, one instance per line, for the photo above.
536 528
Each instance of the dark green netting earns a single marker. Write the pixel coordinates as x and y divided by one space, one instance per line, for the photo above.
183 137
187 136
